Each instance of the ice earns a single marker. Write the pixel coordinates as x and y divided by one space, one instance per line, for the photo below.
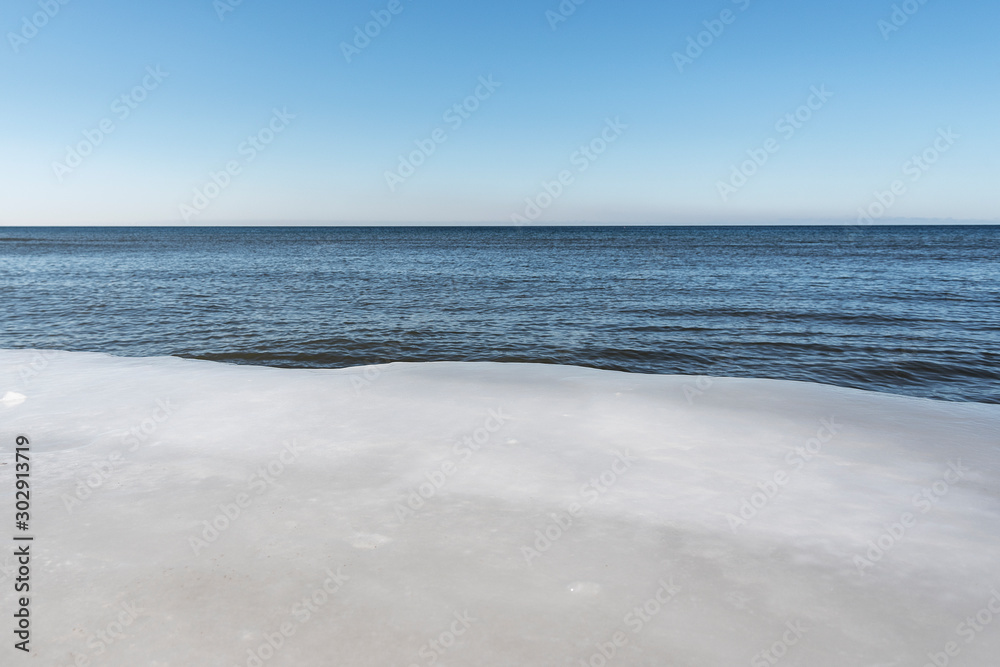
12 398
869 533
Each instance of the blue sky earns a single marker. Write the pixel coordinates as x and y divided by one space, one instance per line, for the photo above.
251 112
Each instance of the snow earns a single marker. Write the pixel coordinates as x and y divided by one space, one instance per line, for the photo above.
567 514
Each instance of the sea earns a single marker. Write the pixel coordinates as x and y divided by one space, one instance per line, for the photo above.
912 310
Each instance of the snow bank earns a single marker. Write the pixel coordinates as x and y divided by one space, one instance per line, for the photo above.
194 513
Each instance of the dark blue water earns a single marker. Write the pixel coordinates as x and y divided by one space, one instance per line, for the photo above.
912 310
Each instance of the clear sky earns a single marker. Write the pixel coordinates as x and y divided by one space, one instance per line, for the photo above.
121 112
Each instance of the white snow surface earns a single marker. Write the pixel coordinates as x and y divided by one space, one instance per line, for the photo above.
599 507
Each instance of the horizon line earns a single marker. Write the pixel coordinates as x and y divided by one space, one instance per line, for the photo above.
903 222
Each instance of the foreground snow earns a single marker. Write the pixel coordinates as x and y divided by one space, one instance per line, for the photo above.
193 513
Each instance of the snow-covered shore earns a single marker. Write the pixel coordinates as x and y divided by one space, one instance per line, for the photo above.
189 512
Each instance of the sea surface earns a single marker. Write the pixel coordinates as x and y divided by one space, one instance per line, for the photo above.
907 310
